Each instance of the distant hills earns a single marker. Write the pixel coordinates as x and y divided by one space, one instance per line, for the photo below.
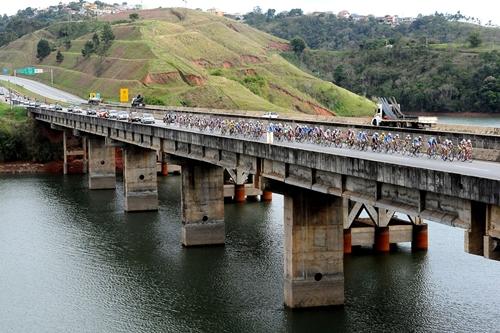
182 57
434 63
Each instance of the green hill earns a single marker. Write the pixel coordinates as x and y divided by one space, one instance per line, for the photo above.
184 57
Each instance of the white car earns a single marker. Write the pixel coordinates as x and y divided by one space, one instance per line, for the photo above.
147 118
122 115
270 115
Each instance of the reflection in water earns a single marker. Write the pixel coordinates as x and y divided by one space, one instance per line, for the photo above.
72 261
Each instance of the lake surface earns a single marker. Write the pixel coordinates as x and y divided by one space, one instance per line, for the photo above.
71 260
485 120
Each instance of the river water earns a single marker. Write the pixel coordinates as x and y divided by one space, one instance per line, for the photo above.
71 260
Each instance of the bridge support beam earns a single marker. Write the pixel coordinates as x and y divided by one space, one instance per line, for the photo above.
139 176
102 166
202 204
314 272
420 237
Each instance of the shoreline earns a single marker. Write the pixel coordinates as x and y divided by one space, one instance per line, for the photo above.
456 114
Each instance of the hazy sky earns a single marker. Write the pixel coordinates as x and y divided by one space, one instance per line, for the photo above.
484 9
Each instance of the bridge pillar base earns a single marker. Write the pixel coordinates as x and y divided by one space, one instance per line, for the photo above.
314 268
140 182
382 236
420 237
347 241
266 196
202 205
164 169
491 248
239 193
102 165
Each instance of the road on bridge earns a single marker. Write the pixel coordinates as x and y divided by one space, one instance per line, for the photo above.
480 169
44 90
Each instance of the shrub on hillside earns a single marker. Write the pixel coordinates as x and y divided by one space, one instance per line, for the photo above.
42 49
153 100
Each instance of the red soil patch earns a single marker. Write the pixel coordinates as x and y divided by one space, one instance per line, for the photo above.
161 78
278 46
227 64
249 71
250 59
202 63
318 109
194 80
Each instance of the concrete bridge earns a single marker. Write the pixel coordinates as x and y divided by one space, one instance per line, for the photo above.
325 190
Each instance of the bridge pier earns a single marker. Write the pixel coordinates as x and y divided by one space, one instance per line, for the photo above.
314 272
102 165
202 204
139 176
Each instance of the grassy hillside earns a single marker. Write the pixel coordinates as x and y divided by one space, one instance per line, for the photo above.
189 58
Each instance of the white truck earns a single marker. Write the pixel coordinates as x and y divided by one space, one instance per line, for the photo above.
389 114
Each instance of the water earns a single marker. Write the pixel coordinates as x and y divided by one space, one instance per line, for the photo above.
490 120
72 261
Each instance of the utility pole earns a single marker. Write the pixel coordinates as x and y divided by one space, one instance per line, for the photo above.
52 76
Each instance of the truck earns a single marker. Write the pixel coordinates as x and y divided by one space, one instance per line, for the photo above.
389 114
138 102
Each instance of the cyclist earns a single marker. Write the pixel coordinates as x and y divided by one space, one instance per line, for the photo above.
432 142
375 141
417 143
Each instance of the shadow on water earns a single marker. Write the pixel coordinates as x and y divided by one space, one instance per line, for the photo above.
72 260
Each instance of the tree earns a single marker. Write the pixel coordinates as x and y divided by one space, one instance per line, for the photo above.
42 49
298 45
67 44
133 16
270 14
295 12
88 49
95 41
107 36
59 57
474 39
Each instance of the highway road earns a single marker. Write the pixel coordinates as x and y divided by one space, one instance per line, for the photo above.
44 90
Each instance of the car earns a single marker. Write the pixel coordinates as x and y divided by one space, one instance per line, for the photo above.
32 104
71 108
91 112
102 114
134 117
147 118
57 107
270 115
77 109
112 114
122 115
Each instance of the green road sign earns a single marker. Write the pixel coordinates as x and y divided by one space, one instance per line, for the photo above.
26 71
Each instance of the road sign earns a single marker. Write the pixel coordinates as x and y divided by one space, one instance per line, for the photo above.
38 70
92 95
5 71
124 95
26 71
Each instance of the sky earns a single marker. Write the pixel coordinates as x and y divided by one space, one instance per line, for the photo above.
484 9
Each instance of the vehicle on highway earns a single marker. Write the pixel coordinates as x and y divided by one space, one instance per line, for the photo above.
71 108
112 114
134 117
91 112
138 102
77 109
57 107
270 115
389 113
147 118
103 114
122 115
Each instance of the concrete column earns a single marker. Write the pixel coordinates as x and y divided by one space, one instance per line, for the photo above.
65 153
420 237
382 236
314 272
239 193
266 196
473 240
139 176
85 160
202 205
164 168
102 166
347 241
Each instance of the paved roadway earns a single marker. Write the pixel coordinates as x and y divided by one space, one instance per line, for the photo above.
44 90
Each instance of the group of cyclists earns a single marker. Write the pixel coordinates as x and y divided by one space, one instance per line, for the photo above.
330 137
